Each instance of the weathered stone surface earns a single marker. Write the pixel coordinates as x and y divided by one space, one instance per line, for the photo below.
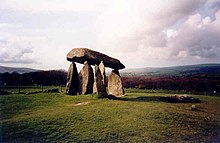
72 80
115 84
86 79
101 89
102 70
94 86
81 55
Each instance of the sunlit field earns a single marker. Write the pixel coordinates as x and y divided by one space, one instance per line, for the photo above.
140 116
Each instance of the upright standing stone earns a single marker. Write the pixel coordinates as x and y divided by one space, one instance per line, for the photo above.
102 70
72 80
101 89
89 82
115 86
94 85
86 79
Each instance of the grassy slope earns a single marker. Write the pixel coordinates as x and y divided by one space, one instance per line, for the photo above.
138 117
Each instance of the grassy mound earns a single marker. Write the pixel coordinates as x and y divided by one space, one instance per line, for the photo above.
137 117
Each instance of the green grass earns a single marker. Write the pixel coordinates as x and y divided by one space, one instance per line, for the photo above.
28 89
138 117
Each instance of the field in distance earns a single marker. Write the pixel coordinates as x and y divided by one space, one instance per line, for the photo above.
141 116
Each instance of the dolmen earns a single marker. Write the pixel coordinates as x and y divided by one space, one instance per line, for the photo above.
88 81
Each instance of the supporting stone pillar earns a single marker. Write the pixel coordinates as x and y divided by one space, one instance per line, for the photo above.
86 79
94 85
72 80
102 71
101 89
115 86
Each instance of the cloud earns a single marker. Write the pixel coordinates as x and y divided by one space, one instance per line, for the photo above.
139 33
36 6
142 21
8 25
198 38
161 32
16 50
35 52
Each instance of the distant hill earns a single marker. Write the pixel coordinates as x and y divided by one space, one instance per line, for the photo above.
177 71
21 70
174 71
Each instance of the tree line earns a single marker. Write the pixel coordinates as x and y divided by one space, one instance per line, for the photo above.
58 77
46 78
173 83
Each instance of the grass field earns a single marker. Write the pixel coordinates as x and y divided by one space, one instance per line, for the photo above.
138 117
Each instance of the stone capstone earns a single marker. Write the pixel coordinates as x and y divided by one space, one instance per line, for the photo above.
115 86
101 88
81 55
86 79
72 80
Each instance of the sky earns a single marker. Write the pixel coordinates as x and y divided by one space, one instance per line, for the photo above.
140 33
